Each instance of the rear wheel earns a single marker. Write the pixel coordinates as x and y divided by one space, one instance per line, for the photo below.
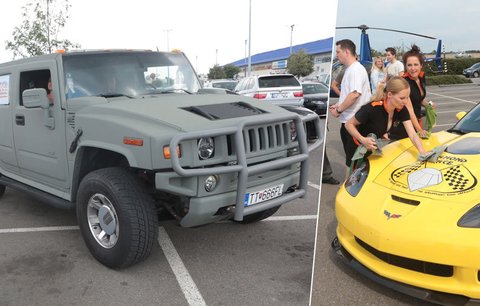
117 217
2 190
259 215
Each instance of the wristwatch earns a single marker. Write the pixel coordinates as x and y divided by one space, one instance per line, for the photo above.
339 112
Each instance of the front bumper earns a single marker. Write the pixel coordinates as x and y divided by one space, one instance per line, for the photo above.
288 170
420 293
417 250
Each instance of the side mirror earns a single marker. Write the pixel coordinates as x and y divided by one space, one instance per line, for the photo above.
460 115
36 97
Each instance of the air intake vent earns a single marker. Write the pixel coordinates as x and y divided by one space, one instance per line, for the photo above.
225 110
405 201
71 119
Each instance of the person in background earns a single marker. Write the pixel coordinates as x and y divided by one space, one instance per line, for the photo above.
377 74
336 83
394 67
354 90
386 109
50 91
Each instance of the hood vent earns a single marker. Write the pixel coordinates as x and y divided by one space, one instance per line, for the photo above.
469 145
225 110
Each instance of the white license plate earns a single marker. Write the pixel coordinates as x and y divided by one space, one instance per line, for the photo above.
279 95
263 195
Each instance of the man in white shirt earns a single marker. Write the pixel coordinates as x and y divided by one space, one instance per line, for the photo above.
394 67
354 90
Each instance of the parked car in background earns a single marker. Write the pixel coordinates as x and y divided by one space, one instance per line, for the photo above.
462 55
280 89
473 71
315 97
221 83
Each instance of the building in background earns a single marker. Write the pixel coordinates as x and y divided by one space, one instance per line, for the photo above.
276 61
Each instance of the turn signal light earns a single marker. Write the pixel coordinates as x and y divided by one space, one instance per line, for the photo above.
133 141
167 153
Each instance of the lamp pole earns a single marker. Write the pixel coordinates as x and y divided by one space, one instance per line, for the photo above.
291 37
168 39
245 57
249 66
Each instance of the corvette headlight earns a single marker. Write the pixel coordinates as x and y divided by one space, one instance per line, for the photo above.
471 218
356 180
206 147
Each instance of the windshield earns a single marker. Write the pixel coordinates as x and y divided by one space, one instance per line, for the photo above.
225 85
309 89
469 123
130 74
475 66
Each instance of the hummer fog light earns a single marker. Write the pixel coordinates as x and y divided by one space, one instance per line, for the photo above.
206 147
293 131
211 183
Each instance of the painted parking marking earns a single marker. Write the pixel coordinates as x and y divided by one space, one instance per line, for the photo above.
316 186
291 218
188 286
38 229
453 98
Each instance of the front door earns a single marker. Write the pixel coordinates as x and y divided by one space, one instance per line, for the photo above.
41 150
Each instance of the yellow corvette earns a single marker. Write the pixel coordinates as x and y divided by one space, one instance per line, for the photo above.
413 225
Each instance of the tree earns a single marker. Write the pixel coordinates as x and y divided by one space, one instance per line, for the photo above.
216 72
300 64
231 71
39 32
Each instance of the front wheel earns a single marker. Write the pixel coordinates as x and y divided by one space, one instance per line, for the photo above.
264 214
117 217
475 74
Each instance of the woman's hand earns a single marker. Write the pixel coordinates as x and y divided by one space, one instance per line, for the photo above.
423 133
369 143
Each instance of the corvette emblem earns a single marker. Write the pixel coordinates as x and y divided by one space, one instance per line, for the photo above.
425 177
389 215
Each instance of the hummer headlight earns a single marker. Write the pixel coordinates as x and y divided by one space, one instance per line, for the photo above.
356 180
293 131
206 147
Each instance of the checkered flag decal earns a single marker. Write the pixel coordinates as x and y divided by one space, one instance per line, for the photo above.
455 178
409 169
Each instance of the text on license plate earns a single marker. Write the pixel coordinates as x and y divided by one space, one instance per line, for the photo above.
263 195
279 95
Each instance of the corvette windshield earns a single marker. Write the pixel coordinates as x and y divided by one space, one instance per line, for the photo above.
128 74
469 123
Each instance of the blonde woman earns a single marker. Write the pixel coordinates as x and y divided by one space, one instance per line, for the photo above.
377 74
387 109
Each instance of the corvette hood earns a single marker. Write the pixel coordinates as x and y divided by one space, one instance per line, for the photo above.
454 173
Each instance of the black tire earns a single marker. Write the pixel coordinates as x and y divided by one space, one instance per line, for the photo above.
2 190
123 210
264 214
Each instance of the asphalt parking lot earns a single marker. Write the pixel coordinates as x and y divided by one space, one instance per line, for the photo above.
333 282
44 261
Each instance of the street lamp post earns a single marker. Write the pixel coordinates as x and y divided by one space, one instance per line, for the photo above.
249 69
245 57
291 37
168 39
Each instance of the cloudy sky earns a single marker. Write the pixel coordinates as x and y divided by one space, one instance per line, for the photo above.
454 21
208 31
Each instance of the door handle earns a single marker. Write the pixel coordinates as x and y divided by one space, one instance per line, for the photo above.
20 119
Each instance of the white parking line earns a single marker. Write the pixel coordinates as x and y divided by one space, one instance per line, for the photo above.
313 185
446 124
184 279
38 229
453 98
291 218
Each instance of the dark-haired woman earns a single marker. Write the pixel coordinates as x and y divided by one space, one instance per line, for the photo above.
415 76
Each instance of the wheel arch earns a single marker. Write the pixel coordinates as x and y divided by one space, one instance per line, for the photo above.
89 159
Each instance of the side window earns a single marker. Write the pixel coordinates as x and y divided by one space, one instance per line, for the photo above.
4 89
33 79
251 83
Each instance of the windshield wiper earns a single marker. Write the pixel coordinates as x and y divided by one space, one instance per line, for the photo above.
175 90
114 95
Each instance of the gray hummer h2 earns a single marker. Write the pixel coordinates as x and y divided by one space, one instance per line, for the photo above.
123 135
